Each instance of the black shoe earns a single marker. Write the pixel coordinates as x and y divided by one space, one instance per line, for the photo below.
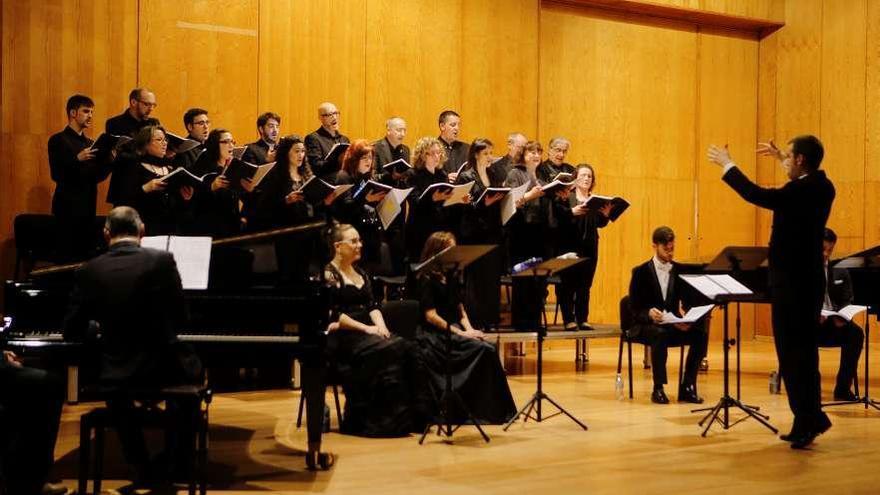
823 424
801 442
845 395
658 396
53 489
688 393
585 326
570 326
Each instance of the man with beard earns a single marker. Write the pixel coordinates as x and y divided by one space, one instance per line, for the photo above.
263 150
197 125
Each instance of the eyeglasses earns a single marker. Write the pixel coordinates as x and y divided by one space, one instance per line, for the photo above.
353 241
331 114
227 141
148 104
202 122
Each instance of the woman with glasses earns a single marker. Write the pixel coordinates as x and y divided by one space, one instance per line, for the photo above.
428 214
377 370
139 184
217 201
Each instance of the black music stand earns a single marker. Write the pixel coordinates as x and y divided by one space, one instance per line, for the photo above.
870 258
452 261
736 260
540 273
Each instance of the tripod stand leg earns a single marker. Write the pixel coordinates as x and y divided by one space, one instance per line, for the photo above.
756 416
528 406
470 416
713 411
561 409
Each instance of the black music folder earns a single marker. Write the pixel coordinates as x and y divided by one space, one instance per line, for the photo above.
240 169
399 166
503 191
106 143
179 144
316 190
618 205
335 152
180 177
456 257
371 187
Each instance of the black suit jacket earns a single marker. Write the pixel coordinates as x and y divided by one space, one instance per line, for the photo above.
256 153
135 296
318 144
645 293
840 288
76 183
800 210
384 154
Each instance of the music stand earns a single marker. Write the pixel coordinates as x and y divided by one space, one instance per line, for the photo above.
869 258
452 261
540 273
737 260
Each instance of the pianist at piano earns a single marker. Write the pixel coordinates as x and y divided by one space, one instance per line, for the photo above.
135 297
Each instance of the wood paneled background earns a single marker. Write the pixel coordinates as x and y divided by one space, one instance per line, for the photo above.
639 98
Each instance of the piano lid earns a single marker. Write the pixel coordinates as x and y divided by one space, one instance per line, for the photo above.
867 258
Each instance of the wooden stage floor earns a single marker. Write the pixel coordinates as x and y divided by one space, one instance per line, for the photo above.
631 446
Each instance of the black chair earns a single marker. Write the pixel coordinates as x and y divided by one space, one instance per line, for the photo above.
36 238
149 415
626 323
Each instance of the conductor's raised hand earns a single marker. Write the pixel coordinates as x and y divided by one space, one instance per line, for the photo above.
719 155
770 149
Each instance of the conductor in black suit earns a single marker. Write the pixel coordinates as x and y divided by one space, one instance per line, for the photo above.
797 276
655 288
135 296
835 331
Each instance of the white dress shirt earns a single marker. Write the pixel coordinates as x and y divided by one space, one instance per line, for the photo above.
662 269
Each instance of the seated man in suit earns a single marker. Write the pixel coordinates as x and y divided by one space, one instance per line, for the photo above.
656 288
836 331
135 297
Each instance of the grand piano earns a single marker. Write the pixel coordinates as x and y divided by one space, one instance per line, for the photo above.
246 318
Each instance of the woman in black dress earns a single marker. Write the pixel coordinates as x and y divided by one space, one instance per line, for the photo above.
217 201
139 184
428 214
582 237
477 375
378 370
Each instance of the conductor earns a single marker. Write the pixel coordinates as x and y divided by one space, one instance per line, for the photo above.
797 277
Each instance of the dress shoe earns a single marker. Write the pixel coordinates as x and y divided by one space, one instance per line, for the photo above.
585 326
801 442
570 326
688 393
53 489
845 395
658 396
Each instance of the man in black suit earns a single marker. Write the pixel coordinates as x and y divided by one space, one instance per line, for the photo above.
835 331
456 151
797 278
500 167
76 171
654 289
391 148
135 296
320 142
30 405
198 126
263 150
141 103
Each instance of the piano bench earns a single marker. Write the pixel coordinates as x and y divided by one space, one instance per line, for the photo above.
149 415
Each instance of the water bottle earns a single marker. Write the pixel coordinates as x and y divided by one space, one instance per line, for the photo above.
618 387
774 382
525 265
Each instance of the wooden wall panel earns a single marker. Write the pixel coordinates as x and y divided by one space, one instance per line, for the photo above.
52 50
414 66
500 71
201 54
625 95
872 125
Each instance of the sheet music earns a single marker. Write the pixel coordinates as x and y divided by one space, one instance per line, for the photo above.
389 207
691 316
508 205
159 242
715 285
847 313
193 258
458 193
730 284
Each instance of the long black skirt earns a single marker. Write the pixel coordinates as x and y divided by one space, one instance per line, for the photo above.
477 377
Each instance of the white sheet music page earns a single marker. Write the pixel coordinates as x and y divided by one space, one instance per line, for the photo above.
508 205
193 258
730 284
691 316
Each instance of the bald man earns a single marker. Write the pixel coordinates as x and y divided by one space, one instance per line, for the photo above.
391 148
141 103
320 142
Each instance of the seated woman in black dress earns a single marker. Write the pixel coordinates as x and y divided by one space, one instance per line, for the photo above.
477 375
139 184
376 368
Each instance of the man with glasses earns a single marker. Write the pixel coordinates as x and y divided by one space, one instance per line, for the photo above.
555 162
320 142
263 150
197 125
141 103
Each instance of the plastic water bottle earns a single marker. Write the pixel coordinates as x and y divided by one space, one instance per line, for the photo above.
525 265
618 387
774 382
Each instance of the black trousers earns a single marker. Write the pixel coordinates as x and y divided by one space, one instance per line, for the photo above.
573 292
850 338
660 338
795 316
31 400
